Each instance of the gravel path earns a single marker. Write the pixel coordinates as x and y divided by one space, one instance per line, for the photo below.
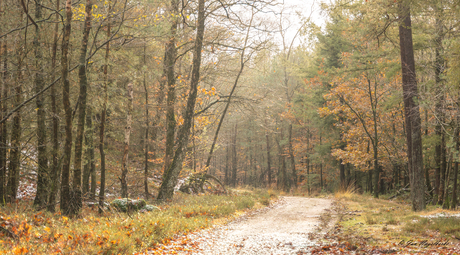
281 229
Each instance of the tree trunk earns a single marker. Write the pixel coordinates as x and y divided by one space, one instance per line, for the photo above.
103 115
146 138
55 173
440 157
411 109
3 112
342 174
169 64
320 164
226 164
170 176
234 158
242 63
369 181
76 202
89 155
15 151
455 174
284 182
443 169
269 170
124 162
42 160
65 178
292 158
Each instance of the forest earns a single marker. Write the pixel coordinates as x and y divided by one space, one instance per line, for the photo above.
107 99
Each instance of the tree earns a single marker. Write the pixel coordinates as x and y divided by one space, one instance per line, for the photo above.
170 76
55 165
65 178
42 159
411 109
124 162
171 174
104 114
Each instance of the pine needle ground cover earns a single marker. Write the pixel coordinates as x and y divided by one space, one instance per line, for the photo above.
380 226
25 231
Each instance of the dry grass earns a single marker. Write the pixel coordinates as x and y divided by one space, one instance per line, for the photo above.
346 192
26 231
381 222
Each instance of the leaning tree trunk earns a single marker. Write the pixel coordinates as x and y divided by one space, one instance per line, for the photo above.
242 63
171 175
42 160
170 75
124 161
411 109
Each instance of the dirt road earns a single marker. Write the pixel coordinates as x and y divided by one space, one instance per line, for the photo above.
283 229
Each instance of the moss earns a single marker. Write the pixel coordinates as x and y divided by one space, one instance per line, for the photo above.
150 208
127 204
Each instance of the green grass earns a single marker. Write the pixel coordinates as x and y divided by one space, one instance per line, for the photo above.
447 226
116 232
379 222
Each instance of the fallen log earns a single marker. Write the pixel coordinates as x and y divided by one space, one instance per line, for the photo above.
195 183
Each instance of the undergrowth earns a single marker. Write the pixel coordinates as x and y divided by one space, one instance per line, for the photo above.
25 231
365 221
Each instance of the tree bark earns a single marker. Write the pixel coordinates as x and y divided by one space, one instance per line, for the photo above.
65 178
411 109
292 158
15 149
147 130
169 69
124 162
170 176
343 182
89 167
282 163
234 158
42 160
226 179
103 115
55 168
455 173
440 148
76 202
3 112
269 171
320 164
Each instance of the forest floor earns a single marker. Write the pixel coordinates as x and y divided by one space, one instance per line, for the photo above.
283 228
346 224
242 222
